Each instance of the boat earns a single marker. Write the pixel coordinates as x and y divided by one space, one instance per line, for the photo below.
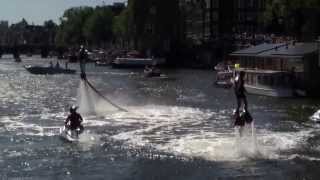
224 79
48 70
102 63
132 62
270 83
152 72
279 69
134 59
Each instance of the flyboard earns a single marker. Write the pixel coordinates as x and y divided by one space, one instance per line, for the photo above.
241 120
69 135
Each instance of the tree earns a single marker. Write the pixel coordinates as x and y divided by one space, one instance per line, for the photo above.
120 27
98 27
294 16
155 23
72 22
51 30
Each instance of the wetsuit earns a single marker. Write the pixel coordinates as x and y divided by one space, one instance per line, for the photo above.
239 90
75 120
83 57
240 94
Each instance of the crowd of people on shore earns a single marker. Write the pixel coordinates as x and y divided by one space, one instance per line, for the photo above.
245 40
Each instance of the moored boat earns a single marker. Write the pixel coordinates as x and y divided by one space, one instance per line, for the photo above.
48 70
152 72
270 83
224 79
132 62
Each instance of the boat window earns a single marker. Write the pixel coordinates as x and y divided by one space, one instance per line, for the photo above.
265 80
252 79
259 80
271 80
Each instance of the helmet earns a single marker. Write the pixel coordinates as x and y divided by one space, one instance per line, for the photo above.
73 108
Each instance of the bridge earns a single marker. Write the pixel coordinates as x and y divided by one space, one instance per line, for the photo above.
41 49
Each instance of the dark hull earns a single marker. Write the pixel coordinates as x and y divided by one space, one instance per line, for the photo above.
48 70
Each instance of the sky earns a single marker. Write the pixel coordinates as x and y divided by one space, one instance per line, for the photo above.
38 11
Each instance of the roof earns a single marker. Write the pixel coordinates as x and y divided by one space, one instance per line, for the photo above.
254 50
260 71
279 50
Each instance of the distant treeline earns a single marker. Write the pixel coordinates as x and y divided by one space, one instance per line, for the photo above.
142 24
158 26
299 18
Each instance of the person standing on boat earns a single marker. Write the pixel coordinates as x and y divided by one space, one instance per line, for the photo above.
82 59
240 91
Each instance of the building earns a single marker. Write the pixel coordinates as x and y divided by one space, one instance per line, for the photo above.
208 19
196 19
4 29
248 14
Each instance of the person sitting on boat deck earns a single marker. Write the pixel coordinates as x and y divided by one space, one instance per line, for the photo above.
74 120
51 64
82 58
58 65
240 91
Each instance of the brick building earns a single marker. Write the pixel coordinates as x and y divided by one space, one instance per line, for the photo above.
208 19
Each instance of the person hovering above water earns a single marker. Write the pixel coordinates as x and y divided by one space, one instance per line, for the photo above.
74 120
239 89
82 59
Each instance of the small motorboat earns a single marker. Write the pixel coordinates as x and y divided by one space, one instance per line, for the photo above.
48 70
102 63
152 72
224 79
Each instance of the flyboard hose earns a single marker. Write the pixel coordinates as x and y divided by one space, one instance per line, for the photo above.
84 78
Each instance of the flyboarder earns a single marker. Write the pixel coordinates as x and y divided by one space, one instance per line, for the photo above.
73 121
239 89
82 58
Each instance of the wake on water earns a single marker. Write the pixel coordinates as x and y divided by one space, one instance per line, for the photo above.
163 122
90 103
220 148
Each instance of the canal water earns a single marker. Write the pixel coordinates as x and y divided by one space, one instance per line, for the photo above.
176 127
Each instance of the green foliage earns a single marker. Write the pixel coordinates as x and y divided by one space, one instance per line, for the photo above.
87 25
72 23
120 26
98 27
295 16
49 24
154 23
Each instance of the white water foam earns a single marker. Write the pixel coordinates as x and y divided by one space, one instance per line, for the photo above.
316 116
209 145
232 148
90 102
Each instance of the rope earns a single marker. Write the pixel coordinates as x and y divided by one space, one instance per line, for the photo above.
104 97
